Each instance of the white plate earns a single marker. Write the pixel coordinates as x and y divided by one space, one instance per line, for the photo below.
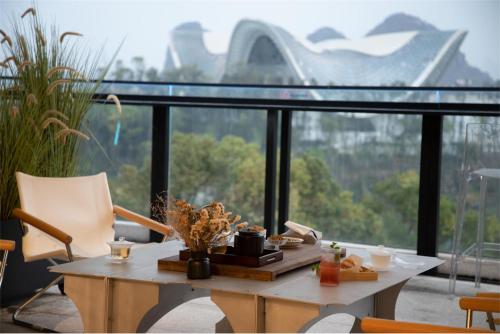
292 242
381 269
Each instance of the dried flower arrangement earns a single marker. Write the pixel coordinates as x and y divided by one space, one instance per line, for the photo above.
199 228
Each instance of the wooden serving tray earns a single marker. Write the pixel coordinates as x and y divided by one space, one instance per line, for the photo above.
269 256
292 259
348 275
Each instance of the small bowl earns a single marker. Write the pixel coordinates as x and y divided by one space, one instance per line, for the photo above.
276 243
120 250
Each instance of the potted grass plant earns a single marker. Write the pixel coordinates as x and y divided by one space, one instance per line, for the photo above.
45 93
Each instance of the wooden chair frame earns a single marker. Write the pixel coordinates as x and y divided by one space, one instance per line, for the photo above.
374 325
488 302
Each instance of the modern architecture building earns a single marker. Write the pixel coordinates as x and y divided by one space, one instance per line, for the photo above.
409 58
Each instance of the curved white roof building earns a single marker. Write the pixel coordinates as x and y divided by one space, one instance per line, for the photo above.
412 58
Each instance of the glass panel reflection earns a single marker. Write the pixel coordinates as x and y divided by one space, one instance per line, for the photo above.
122 150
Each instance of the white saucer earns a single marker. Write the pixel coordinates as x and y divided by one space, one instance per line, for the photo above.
376 268
113 260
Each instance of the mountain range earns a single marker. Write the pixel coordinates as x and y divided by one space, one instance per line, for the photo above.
458 71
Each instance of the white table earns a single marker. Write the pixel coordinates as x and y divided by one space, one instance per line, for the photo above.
132 296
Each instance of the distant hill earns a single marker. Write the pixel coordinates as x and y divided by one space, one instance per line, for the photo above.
323 34
401 22
458 71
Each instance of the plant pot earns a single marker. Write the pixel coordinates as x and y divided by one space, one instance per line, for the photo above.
198 266
21 279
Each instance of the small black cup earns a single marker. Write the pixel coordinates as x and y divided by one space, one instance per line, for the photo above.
249 243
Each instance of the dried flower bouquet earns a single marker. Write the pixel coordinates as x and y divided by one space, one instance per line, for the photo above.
199 228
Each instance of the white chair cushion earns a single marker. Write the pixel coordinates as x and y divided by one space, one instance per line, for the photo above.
78 206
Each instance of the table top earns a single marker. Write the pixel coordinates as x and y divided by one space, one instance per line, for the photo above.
299 285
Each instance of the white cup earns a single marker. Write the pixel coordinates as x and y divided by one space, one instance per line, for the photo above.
380 257
120 250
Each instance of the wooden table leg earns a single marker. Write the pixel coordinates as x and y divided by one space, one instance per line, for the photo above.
130 302
385 301
244 312
107 305
288 316
291 316
90 297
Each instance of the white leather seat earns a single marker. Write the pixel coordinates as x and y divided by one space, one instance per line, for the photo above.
79 206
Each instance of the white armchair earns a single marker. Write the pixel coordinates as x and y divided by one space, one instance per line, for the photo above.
69 218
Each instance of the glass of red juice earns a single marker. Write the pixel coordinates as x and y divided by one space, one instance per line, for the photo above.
329 267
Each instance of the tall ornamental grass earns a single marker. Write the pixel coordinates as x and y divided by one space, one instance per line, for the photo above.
45 93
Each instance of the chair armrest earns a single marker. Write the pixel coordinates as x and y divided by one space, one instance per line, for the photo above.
481 304
373 325
488 294
147 222
7 245
43 226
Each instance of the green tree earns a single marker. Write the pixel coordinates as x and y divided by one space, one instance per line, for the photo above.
191 167
319 202
395 200
121 72
187 73
130 187
447 210
139 68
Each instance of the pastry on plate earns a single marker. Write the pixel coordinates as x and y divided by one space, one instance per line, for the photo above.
352 262
292 242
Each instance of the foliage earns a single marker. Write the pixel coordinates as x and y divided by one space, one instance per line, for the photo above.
201 171
359 182
447 210
43 105
232 170
395 200
130 187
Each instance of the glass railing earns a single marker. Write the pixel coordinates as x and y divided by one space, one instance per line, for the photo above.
312 93
355 176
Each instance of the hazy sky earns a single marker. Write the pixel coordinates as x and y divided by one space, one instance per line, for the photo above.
145 24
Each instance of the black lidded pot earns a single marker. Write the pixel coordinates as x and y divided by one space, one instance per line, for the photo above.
249 243
198 266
